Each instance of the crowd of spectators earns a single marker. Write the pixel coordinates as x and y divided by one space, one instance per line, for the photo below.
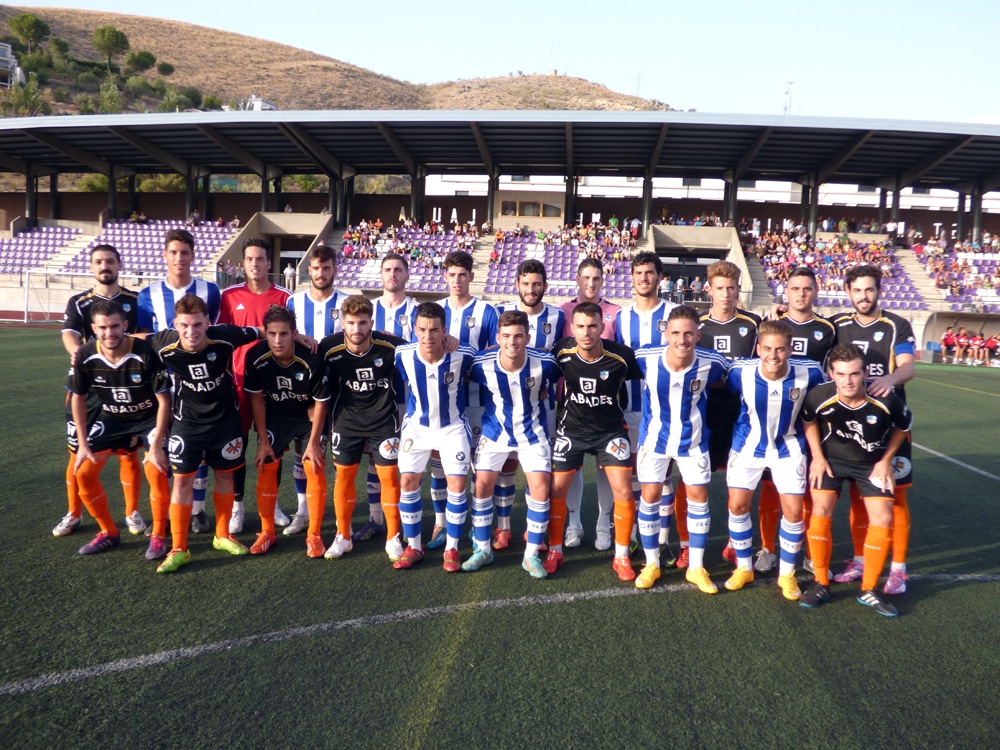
960 268
373 239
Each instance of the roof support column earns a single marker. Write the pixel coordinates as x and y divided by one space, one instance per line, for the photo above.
804 195
729 201
960 221
265 190
813 209
279 195
206 197
190 184
348 200
338 188
54 196
570 200
977 214
132 202
491 198
647 205
881 207
894 213
112 196
331 195
418 188
31 200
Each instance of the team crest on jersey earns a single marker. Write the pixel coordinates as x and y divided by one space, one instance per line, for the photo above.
878 336
818 335
871 419
449 378
529 383
794 394
299 376
378 362
470 322
661 326
334 314
407 445
403 320
232 450
607 316
127 307
546 328
210 356
136 377
744 330
695 386
604 374
619 448
389 448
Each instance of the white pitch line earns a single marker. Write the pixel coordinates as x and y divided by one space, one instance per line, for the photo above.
55 679
955 461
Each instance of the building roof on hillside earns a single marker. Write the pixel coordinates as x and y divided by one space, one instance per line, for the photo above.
809 150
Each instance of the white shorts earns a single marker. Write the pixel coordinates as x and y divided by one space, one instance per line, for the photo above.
632 419
654 468
474 416
789 474
416 443
491 456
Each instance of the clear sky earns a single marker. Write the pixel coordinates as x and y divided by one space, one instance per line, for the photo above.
915 60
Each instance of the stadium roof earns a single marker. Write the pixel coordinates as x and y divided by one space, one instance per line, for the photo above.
810 150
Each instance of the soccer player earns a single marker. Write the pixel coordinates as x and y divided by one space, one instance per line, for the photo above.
513 381
285 383
674 401
246 304
474 323
589 282
156 314
948 345
732 332
105 264
961 345
644 323
206 420
545 327
768 435
852 435
888 343
977 347
812 337
127 381
435 419
361 368
590 420
317 315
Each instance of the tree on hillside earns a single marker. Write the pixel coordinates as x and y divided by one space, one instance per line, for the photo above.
25 101
111 99
59 48
164 68
111 42
29 29
140 61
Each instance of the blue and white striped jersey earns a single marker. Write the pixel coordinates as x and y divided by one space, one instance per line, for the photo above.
436 392
769 425
637 329
674 403
156 303
515 415
395 320
317 319
475 325
544 327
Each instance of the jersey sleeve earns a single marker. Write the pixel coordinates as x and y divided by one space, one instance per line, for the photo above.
905 340
214 302
618 327
320 381
225 309
73 320
491 327
902 417
235 335
146 318
733 381
251 378
78 381
808 411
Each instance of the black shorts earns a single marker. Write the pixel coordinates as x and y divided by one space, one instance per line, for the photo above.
348 449
612 449
218 444
903 463
281 433
844 471
118 437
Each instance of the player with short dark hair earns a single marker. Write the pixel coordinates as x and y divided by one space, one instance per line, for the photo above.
948 345
852 435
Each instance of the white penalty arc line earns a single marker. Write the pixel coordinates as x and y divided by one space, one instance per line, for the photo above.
56 679
955 461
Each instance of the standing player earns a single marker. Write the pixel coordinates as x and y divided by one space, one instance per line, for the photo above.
768 435
156 314
589 282
513 381
591 420
545 327
245 305
852 435
435 419
674 401
206 420
126 380
285 383
361 368
644 323
105 265
887 341
731 332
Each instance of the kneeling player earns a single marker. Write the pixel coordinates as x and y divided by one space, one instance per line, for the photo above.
768 435
852 435
134 396
284 380
513 382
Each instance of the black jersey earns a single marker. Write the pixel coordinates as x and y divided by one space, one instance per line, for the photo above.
78 319
203 388
364 384
855 434
735 338
812 339
882 341
125 390
591 402
289 390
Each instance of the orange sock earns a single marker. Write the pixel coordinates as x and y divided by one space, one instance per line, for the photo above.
557 520
624 520
130 475
267 495
344 498
859 522
159 498
223 502
180 520
72 491
315 496
88 480
877 544
769 512
388 476
681 511
900 526
820 539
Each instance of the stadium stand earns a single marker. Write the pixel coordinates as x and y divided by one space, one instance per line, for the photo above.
33 248
965 275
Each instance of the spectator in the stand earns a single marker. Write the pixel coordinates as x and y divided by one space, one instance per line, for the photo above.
696 289
194 219
235 223
289 277
220 222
